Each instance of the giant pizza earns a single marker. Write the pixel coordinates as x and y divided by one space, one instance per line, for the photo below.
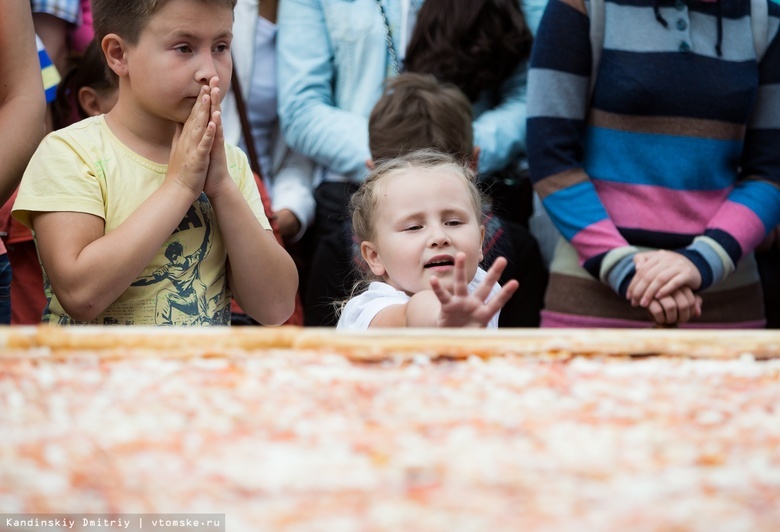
296 429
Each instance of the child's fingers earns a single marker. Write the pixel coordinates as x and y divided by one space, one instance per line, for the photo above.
196 108
196 125
492 277
207 140
497 302
216 97
460 287
442 293
220 132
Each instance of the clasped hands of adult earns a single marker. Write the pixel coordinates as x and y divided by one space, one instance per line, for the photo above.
460 308
197 159
663 284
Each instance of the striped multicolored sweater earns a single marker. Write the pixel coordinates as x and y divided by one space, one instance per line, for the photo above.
679 147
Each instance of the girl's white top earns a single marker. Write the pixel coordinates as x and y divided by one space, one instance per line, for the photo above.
361 309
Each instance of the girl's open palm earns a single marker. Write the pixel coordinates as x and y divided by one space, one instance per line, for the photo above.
459 308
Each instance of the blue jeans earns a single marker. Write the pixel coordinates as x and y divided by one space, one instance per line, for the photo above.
5 290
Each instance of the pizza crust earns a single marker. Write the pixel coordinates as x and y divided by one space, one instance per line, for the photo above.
382 344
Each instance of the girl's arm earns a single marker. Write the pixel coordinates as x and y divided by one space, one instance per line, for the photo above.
440 307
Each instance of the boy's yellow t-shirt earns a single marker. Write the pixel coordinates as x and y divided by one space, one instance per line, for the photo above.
85 168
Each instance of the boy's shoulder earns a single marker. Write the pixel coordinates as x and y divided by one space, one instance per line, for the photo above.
91 127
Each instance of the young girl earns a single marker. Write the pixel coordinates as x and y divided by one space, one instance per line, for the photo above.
417 218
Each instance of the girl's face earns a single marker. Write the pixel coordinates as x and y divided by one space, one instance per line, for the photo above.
424 217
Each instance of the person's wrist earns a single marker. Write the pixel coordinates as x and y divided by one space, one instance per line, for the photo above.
618 269
710 259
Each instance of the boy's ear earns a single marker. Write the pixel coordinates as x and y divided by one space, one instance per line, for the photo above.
370 164
371 256
114 48
89 101
474 164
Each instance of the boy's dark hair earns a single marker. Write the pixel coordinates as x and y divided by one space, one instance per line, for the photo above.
88 70
475 44
418 112
127 18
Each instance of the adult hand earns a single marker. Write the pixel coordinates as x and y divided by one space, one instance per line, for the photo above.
677 308
659 274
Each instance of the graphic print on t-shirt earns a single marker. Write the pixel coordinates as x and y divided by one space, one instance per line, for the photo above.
182 298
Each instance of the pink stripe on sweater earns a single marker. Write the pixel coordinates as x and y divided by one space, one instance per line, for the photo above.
596 239
559 320
662 209
741 223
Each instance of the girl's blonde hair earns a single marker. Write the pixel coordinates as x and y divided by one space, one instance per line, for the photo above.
364 202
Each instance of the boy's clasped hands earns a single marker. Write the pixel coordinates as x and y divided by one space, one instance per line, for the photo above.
664 284
198 160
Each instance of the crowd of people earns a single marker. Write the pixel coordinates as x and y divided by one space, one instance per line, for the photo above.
390 163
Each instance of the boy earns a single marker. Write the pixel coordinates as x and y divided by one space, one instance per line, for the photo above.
109 197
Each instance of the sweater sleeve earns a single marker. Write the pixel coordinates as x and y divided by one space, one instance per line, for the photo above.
752 209
558 90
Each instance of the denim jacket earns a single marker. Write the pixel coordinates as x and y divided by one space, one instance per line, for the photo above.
333 60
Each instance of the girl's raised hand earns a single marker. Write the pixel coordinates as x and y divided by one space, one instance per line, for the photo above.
459 308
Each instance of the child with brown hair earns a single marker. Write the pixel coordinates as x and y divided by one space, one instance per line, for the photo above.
423 249
109 196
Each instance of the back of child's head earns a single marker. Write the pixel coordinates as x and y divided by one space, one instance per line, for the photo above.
475 44
88 70
418 112
364 202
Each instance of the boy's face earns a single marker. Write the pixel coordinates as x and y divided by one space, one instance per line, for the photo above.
182 47
424 218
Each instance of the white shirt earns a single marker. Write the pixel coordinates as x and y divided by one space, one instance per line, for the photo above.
360 311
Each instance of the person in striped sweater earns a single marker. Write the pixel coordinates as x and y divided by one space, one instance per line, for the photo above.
662 169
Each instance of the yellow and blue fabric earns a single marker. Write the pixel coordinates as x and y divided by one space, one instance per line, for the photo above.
51 77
